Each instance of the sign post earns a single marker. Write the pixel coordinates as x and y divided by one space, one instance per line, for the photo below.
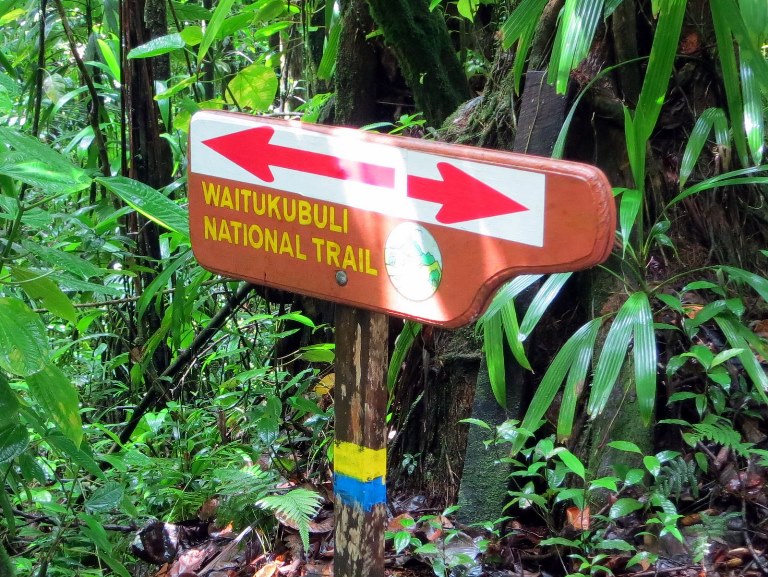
405 227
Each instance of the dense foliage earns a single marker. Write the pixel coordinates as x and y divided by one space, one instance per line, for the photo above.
135 385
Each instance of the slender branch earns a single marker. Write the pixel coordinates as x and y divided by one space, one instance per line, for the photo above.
38 93
155 392
95 103
39 518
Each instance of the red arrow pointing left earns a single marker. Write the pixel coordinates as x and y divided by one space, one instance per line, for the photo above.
462 196
250 149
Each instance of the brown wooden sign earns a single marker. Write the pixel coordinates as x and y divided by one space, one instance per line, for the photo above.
404 226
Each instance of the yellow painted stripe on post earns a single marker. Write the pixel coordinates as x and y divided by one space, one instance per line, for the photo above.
359 462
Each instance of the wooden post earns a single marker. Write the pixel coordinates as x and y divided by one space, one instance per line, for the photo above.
360 454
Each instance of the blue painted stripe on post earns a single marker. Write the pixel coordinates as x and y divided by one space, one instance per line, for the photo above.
354 492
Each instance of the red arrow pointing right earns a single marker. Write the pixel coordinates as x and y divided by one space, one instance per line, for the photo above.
463 197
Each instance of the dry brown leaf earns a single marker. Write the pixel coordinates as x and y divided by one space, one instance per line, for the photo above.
578 519
269 570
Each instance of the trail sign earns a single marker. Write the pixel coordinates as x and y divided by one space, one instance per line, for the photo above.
404 226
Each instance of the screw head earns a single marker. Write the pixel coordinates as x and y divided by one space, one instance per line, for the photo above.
341 278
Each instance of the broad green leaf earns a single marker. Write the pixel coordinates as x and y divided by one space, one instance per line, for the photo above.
659 71
721 19
540 303
740 337
34 150
572 462
152 204
42 289
563 362
493 345
9 403
23 340
758 283
65 445
653 464
212 30
754 119
58 398
176 88
732 178
615 544
477 422
271 10
524 17
254 87
726 355
327 64
625 446
403 344
13 441
512 332
110 58
645 355
631 202
65 261
105 498
605 483
577 376
507 292
634 476
41 175
317 353
192 35
613 355
264 32
575 32
467 8
698 138
158 46
95 531
189 11
161 281
624 507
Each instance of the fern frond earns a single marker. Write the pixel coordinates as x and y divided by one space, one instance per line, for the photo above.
298 505
721 432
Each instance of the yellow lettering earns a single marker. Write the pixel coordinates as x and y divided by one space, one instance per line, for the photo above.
211 193
224 232
260 210
349 258
320 223
255 237
368 268
305 212
236 226
270 240
243 199
292 204
272 209
210 228
334 227
299 255
319 243
226 198
332 251
285 245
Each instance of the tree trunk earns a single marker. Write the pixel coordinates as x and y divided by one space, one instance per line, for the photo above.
150 155
420 40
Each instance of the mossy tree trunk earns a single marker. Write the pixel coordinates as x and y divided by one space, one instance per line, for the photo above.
421 42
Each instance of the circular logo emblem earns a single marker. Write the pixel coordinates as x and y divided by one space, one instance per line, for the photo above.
413 260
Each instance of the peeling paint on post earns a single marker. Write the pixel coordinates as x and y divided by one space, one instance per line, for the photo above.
360 461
